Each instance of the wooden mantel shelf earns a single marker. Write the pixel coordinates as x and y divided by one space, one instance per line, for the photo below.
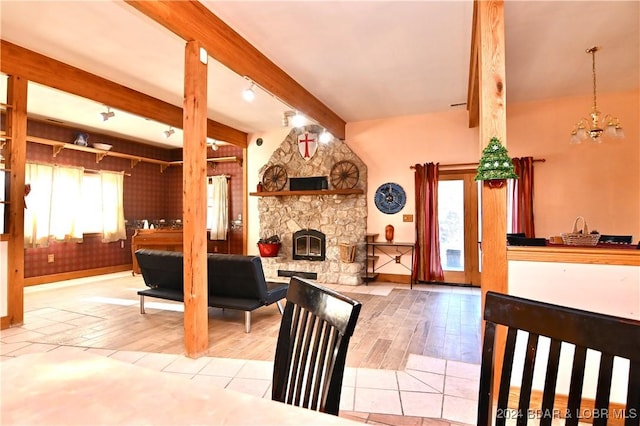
308 192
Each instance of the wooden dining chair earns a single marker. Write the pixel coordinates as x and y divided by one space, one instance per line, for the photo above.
610 336
312 346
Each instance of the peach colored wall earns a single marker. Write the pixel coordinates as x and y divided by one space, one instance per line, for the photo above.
598 181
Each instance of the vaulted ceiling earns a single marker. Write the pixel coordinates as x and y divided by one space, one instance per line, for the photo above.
362 59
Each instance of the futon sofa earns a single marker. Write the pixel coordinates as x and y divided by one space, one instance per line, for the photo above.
233 281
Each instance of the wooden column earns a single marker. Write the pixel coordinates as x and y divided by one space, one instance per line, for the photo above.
493 122
17 154
194 203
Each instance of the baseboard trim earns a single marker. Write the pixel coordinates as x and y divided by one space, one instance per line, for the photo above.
47 279
587 407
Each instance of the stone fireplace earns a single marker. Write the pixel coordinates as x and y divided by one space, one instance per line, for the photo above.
334 218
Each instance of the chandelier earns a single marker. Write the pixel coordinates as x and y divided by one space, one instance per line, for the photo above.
596 127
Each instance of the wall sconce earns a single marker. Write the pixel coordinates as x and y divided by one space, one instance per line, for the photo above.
107 115
168 133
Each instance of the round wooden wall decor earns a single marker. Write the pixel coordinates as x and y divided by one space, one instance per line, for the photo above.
344 175
274 178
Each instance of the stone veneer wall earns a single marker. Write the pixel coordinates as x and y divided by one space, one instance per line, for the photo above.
342 218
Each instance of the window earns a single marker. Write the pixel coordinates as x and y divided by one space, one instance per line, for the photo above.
91 218
65 203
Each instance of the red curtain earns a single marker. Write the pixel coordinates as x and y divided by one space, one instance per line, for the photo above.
426 262
522 207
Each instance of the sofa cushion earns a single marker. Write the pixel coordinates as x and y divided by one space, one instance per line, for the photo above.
161 268
236 276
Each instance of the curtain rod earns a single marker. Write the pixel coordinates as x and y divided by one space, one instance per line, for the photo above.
98 171
462 165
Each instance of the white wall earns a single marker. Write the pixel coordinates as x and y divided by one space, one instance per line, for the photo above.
607 289
257 157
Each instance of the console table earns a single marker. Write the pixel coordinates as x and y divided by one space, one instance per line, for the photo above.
383 248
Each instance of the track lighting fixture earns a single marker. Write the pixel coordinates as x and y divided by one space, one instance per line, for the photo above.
248 94
168 133
107 115
325 137
213 144
297 119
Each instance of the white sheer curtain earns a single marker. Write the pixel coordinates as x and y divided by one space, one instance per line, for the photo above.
53 205
217 207
113 228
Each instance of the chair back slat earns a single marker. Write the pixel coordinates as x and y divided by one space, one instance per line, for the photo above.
322 363
603 388
316 327
313 366
294 397
575 385
550 381
632 411
507 366
485 400
527 379
611 336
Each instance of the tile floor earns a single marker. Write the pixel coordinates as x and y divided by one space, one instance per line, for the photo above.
428 390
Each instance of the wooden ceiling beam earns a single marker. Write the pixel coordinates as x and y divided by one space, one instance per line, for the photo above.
473 90
191 20
16 60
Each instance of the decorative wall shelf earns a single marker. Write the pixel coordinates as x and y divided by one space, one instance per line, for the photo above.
308 192
135 159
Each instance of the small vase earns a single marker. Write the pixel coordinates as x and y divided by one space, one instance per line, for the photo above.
388 233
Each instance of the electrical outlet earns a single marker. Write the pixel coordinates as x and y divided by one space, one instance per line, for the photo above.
215 249
407 218
121 244
398 259
50 258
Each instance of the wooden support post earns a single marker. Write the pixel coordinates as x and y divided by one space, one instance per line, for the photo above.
493 122
17 154
194 203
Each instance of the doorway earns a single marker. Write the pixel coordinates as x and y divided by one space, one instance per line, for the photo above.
458 226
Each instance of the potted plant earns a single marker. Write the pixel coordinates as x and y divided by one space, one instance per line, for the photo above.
269 246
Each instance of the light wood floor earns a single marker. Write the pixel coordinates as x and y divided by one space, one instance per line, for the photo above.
395 321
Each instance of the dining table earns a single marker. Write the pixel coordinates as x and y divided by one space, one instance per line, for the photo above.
80 388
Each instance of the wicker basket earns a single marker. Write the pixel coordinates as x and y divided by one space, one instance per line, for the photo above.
582 237
347 252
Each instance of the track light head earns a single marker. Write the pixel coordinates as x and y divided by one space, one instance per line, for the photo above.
107 115
248 94
168 133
